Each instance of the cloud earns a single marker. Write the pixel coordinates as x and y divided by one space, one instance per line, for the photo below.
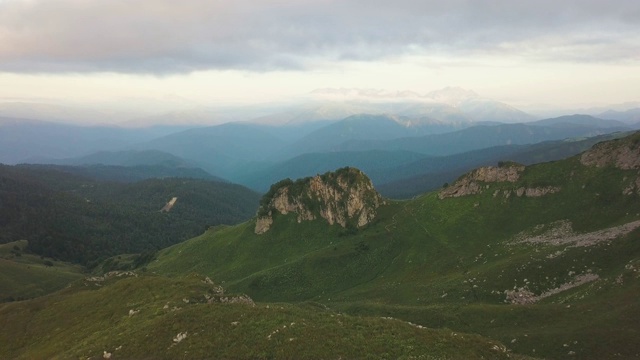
168 36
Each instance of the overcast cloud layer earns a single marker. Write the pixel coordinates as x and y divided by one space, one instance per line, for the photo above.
169 36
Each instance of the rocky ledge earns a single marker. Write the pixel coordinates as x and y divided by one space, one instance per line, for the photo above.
622 153
470 183
345 197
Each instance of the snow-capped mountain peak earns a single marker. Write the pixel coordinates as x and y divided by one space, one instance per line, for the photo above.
453 96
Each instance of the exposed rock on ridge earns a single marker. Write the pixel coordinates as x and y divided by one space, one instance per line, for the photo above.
529 192
470 184
345 197
622 153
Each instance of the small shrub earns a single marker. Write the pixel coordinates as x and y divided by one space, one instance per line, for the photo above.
361 247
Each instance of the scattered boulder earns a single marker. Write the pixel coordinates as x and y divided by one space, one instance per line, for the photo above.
633 187
109 275
524 296
529 192
560 233
240 299
181 336
537 191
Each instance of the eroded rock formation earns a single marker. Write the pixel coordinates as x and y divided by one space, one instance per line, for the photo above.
345 197
471 183
623 154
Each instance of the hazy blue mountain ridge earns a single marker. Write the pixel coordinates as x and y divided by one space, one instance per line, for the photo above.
127 174
580 120
127 158
317 163
22 139
431 173
258 154
478 137
220 149
629 116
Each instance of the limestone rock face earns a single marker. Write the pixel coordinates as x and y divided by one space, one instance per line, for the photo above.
470 183
263 224
623 154
343 197
497 174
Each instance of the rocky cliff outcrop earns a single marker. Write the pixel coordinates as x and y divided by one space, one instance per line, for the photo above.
345 197
472 182
622 153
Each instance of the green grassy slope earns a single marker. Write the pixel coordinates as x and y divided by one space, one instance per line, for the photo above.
24 276
449 263
426 236
150 317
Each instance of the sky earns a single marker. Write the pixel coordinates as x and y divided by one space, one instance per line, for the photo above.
159 54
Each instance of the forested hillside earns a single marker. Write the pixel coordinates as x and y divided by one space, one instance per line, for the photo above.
77 219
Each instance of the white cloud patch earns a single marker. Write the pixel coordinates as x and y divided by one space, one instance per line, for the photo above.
168 36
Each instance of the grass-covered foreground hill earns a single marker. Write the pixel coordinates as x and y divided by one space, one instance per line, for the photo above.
124 316
544 258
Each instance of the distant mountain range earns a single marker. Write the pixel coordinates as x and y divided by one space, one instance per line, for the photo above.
403 174
128 166
388 135
317 163
431 173
22 140
132 173
483 136
127 158
448 104
578 120
627 116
